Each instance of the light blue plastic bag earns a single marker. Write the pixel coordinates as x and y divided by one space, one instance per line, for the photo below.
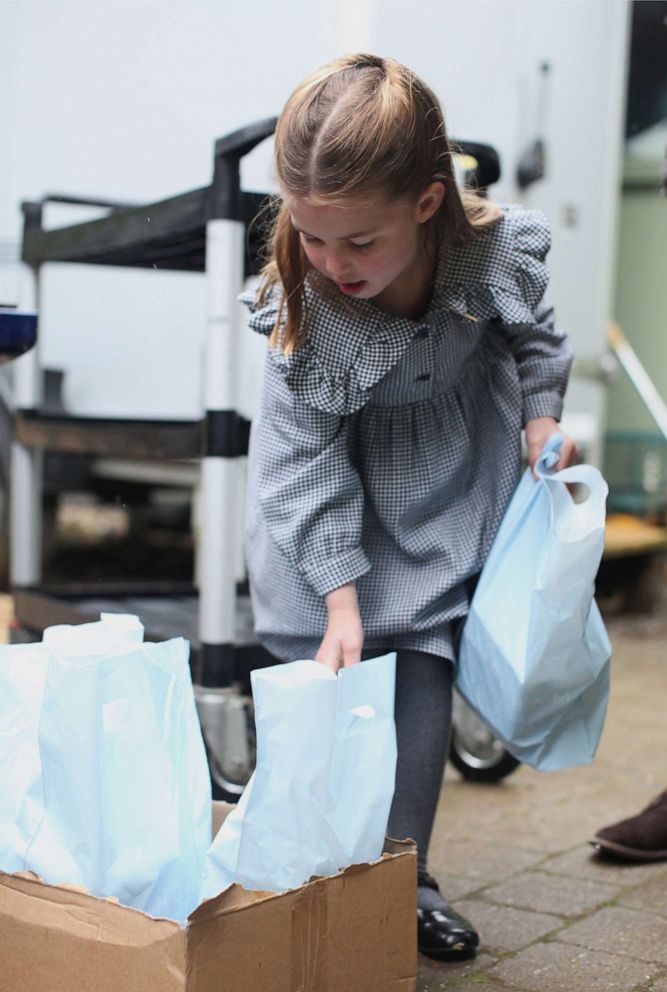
119 800
534 655
22 673
320 796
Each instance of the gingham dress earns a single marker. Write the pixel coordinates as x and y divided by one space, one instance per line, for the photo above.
386 449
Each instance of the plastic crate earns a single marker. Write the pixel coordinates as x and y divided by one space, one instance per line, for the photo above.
635 466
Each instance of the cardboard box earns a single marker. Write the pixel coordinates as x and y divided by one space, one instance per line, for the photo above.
353 932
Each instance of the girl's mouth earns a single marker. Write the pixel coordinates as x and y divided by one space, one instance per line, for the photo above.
351 287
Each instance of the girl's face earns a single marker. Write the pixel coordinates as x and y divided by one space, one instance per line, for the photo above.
372 249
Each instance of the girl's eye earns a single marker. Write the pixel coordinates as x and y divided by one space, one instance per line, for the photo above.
309 240
362 245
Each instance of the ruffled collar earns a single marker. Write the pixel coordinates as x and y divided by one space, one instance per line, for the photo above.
351 347
348 350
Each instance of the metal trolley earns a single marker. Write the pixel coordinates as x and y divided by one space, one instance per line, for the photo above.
207 230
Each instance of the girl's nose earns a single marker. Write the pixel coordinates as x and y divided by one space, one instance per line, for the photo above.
335 264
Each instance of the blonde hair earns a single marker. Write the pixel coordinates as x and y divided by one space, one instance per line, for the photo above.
360 125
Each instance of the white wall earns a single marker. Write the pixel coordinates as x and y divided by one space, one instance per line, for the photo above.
483 59
125 100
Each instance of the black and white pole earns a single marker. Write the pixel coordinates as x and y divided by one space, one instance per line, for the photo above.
220 509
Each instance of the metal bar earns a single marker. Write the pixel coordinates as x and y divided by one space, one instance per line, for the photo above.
219 528
87 201
638 376
155 440
142 235
168 235
26 466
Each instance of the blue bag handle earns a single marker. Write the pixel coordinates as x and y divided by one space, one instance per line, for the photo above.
576 518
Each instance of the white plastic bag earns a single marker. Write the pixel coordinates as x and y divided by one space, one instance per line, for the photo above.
113 633
22 673
121 804
534 655
320 796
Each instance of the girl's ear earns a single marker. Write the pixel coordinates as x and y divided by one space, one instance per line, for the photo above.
429 202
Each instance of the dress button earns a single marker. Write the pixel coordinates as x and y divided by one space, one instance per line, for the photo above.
423 377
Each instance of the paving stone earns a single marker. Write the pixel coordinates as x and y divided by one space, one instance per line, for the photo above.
448 971
497 799
454 887
431 983
621 931
584 863
502 928
551 829
479 861
551 893
557 967
652 896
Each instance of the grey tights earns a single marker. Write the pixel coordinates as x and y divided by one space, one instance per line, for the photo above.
423 717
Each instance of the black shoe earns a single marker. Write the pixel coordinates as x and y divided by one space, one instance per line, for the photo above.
639 838
443 933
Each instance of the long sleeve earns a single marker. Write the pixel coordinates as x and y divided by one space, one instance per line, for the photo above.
541 350
309 492
543 356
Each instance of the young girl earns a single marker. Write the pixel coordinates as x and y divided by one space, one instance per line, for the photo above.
408 346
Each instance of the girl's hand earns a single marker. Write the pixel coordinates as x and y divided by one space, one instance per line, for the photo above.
538 432
344 636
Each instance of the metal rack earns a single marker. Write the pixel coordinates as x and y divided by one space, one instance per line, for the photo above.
206 230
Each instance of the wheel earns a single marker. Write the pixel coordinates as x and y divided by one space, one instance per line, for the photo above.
228 730
475 753
223 785
221 788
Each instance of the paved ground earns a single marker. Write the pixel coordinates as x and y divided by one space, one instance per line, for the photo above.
514 858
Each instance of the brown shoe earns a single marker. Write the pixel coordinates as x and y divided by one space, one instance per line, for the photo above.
639 838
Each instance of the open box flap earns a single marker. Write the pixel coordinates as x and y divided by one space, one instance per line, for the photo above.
64 940
351 931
